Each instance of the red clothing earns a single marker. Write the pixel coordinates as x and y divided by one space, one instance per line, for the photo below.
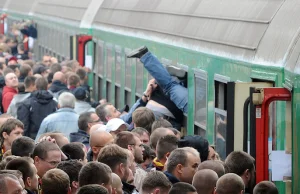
7 96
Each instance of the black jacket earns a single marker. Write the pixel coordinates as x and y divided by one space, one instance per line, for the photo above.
34 109
127 188
171 177
80 136
57 87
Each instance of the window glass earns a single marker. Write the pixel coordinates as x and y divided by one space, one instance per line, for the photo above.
128 75
139 77
220 133
109 59
118 65
200 101
100 63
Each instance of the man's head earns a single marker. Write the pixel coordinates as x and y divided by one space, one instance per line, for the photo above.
183 163
72 168
148 157
213 165
183 188
28 170
60 138
56 181
157 134
96 173
156 182
230 183
29 83
66 100
74 151
82 75
107 111
11 130
143 134
205 181
242 164
11 80
55 68
87 120
25 70
99 139
73 81
131 142
160 123
46 156
59 76
10 184
41 83
165 146
116 184
47 60
92 189
265 187
22 146
117 159
115 126
143 117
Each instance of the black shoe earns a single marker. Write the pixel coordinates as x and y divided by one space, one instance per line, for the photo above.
177 72
138 53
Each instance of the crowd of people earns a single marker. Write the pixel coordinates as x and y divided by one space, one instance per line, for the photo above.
56 140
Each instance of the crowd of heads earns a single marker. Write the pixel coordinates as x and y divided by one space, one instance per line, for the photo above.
56 139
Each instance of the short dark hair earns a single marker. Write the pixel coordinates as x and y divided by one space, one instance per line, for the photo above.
140 131
6 160
23 166
161 123
156 179
24 70
92 189
265 187
148 153
73 151
55 181
230 183
238 162
143 117
113 155
8 126
166 144
72 168
22 146
124 138
156 135
43 148
55 68
94 173
81 73
182 188
83 120
73 79
41 83
29 81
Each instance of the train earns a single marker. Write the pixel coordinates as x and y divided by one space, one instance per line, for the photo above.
241 58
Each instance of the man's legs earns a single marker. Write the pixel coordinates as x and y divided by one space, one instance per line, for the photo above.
178 94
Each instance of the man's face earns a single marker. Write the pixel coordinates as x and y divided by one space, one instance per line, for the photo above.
94 120
13 186
47 60
14 134
11 80
51 161
211 154
126 171
189 170
138 150
145 139
112 112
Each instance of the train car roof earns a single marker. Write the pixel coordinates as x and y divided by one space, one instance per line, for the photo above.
262 32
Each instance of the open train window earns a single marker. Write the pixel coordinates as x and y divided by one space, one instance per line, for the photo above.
221 114
200 101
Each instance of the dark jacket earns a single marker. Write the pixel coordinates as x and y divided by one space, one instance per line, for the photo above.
57 87
34 109
89 156
80 136
196 141
171 177
127 188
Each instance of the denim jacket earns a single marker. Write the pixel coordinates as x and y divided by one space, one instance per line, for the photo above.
64 120
127 118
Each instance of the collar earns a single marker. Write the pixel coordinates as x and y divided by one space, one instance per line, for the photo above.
158 165
171 177
128 187
66 109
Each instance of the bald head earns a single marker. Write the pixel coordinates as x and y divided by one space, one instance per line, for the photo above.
96 127
116 183
157 134
265 187
205 181
100 137
213 165
230 183
59 76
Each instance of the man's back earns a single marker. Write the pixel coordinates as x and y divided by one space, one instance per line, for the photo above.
64 120
34 109
16 102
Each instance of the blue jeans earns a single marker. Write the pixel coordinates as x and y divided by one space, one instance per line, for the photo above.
178 94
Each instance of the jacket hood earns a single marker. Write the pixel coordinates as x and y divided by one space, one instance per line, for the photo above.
2 82
58 86
42 96
80 136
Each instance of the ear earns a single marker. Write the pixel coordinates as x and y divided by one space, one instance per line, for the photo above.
28 182
36 160
247 174
107 118
121 168
89 125
129 147
5 135
75 185
179 168
95 149
167 155
156 191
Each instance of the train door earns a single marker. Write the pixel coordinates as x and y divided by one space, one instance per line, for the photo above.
272 162
237 136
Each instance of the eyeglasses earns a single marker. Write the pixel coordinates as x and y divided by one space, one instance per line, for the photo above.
141 145
52 163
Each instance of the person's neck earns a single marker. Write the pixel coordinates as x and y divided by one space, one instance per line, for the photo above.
95 156
162 161
6 145
73 190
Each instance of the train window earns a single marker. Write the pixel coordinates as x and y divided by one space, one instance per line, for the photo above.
96 58
221 114
128 70
100 58
139 77
118 60
200 99
109 61
117 97
95 86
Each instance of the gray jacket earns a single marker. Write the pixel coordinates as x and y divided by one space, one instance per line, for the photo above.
82 107
64 120
15 103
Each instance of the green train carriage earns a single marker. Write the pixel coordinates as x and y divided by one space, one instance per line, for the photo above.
222 46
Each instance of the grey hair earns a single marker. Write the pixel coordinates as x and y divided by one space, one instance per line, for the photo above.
66 100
